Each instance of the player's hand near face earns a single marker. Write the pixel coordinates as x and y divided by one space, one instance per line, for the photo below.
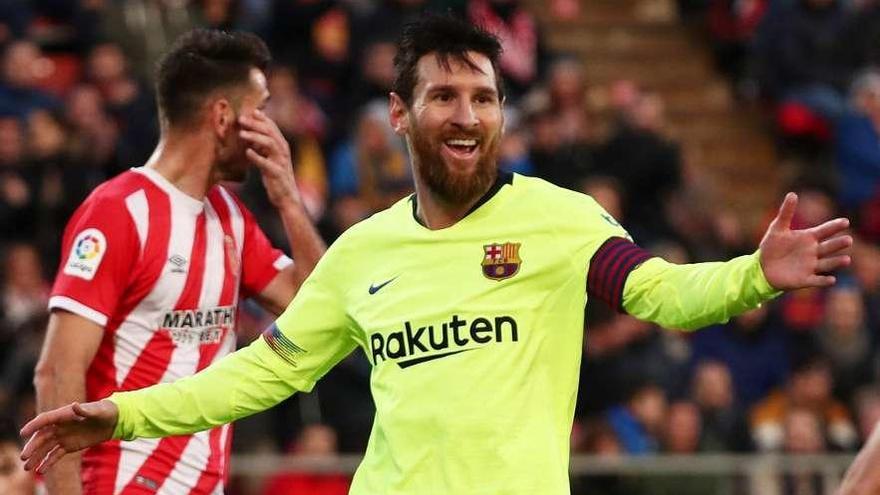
71 428
794 259
269 151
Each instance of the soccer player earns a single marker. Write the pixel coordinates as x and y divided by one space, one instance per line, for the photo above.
156 260
467 298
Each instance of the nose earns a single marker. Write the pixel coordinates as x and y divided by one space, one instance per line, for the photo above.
465 116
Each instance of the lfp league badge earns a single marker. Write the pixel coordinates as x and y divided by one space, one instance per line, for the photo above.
501 261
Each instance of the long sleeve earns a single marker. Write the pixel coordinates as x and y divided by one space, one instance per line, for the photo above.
310 337
241 384
695 295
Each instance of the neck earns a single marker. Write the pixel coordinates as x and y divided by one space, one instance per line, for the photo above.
437 213
186 160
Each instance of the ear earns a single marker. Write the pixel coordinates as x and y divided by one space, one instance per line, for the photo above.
222 117
398 114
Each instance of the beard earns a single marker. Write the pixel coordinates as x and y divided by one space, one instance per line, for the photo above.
232 162
232 171
443 181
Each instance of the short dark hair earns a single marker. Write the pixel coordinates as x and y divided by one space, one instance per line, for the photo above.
448 37
202 61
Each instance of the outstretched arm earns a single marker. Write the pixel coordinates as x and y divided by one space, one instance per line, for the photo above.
240 384
304 343
695 295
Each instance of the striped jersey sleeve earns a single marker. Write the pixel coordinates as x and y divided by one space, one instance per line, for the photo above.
610 267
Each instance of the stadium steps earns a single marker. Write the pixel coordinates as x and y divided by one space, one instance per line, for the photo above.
726 147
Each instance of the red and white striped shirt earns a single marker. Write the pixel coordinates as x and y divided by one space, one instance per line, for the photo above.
162 272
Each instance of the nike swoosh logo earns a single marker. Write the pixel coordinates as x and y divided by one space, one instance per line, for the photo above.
376 288
425 359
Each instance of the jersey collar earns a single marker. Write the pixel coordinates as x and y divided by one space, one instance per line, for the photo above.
503 178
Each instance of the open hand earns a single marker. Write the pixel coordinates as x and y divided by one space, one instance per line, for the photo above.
794 259
269 151
71 428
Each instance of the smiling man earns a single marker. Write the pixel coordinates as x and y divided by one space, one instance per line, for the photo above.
467 298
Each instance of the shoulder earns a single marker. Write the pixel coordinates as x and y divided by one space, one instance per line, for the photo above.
552 201
123 193
117 189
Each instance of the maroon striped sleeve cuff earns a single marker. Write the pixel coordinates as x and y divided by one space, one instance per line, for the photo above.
609 268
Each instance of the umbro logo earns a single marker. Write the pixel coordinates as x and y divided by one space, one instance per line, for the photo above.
178 262
376 288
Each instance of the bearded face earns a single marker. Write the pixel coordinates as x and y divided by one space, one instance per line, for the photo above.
453 127
435 158
230 151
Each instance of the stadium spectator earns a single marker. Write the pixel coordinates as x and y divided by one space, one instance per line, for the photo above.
732 25
724 426
681 436
19 91
94 137
866 271
317 38
18 208
801 56
647 166
683 428
846 340
145 37
857 153
316 442
563 164
638 422
128 101
567 90
803 435
525 54
752 347
23 297
370 171
376 73
24 291
808 388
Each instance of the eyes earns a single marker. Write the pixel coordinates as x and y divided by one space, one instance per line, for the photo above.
483 98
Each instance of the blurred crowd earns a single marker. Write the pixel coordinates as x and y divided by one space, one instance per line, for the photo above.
798 375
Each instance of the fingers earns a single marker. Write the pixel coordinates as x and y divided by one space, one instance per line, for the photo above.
37 441
832 263
257 159
39 449
51 458
52 417
257 140
834 245
258 122
786 213
821 281
829 228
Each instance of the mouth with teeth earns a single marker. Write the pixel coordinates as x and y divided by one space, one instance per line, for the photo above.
461 148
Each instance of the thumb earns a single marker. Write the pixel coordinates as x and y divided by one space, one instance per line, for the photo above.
786 213
80 410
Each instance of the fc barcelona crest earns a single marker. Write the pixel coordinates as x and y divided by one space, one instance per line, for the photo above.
501 261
